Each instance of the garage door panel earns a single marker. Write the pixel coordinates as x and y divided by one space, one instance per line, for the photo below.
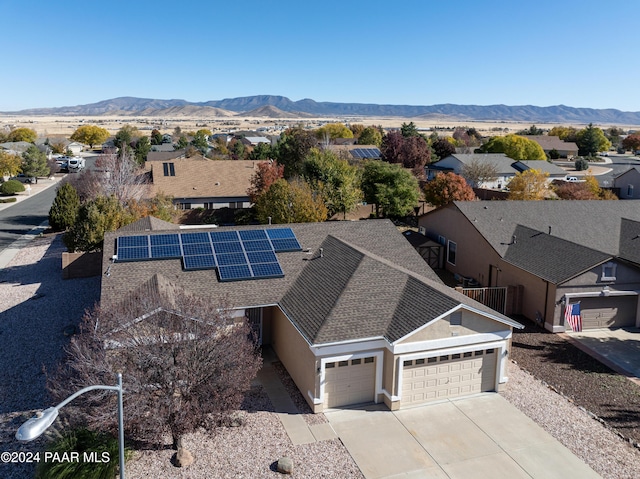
349 382
608 312
448 377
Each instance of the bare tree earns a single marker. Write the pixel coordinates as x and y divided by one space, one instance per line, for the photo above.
121 176
477 172
185 363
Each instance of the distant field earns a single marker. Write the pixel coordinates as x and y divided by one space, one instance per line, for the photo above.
65 125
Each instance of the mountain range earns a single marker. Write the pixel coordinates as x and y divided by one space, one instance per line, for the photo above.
270 106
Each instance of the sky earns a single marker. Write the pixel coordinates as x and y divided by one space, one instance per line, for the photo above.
579 53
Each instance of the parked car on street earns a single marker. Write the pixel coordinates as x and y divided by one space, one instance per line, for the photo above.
22 178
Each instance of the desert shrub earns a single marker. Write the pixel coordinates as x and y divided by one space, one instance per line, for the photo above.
104 446
8 200
581 164
11 187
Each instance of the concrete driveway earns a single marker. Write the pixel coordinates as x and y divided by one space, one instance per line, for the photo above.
478 437
617 348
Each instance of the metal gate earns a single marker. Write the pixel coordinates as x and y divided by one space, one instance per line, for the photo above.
494 297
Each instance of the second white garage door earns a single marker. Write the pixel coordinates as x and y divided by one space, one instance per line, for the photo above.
448 376
349 382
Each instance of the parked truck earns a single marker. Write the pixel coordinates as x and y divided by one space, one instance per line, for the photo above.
75 164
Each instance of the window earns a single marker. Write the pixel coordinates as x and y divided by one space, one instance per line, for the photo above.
419 361
422 230
451 253
442 240
432 360
209 206
479 353
330 365
368 360
455 356
407 363
630 191
343 363
468 354
184 206
169 169
444 358
455 318
490 351
355 361
608 272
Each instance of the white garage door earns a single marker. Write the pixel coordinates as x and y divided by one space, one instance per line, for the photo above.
448 376
609 312
349 382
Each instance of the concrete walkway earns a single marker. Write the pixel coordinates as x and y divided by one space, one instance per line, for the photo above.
294 424
480 437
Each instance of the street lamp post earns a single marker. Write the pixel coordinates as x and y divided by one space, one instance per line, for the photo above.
34 427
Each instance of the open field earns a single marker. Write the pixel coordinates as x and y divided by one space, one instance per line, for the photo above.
47 126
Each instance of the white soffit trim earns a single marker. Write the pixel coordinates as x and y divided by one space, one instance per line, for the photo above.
478 340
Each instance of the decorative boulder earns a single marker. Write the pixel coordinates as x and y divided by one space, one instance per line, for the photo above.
183 458
285 465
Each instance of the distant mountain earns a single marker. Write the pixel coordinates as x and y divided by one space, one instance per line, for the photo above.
275 106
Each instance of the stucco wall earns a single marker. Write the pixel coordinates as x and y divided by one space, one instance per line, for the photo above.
472 323
295 355
389 381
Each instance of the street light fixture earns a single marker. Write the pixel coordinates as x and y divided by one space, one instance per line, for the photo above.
34 427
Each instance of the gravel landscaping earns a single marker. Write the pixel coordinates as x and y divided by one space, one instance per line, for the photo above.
36 306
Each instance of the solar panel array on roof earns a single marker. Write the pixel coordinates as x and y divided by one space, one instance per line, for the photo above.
237 255
363 153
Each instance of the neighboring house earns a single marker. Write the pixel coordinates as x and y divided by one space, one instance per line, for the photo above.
357 152
626 185
506 168
254 140
16 147
549 253
566 149
197 182
165 148
352 311
455 163
75 147
165 155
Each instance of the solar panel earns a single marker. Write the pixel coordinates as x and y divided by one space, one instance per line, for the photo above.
191 249
231 259
288 244
222 236
249 235
188 238
280 233
228 247
267 270
132 254
166 251
234 273
261 245
131 241
158 240
261 257
201 261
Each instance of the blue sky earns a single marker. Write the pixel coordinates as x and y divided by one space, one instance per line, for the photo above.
580 53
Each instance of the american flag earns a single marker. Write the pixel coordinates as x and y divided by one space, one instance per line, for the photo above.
572 316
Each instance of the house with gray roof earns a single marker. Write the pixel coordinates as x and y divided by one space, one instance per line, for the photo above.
626 185
505 168
566 149
352 310
549 254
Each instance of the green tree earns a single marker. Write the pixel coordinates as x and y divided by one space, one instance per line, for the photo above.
261 152
64 209
591 140
515 147
22 134
156 137
529 185
142 149
409 129
34 162
581 164
125 137
329 132
90 135
95 218
9 163
393 189
182 143
371 135
336 180
286 202
565 133
533 130
11 187
447 187
201 140
292 148
237 150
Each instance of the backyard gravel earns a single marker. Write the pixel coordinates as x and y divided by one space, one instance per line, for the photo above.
36 306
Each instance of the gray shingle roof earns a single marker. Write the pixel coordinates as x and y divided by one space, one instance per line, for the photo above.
369 282
594 224
502 162
541 165
630 240
551 258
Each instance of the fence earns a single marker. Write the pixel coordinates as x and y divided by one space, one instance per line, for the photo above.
495 297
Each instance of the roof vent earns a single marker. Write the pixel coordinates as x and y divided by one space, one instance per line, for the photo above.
549 229
217 183
322 252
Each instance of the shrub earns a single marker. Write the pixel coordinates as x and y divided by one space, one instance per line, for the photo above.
83 440
581 164
11 187
554 154
8 200
64 210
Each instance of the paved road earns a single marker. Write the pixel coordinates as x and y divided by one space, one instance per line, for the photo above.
24 216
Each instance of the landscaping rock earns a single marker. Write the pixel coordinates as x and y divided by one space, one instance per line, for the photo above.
183 458
285 465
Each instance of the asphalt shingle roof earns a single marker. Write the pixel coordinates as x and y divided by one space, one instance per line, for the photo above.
368 282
